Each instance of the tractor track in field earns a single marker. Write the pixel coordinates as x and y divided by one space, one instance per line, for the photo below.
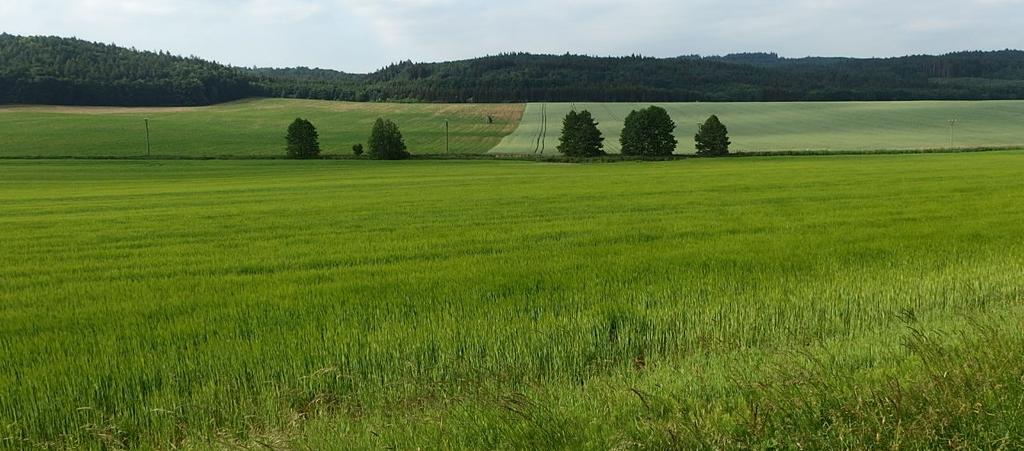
542 135
616 146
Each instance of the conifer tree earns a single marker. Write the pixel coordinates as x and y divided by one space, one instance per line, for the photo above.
580 136
386 142
302 139
712 139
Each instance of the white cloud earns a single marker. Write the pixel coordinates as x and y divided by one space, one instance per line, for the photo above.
119 11
935 24
278 11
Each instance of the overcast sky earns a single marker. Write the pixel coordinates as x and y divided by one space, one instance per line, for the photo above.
363 35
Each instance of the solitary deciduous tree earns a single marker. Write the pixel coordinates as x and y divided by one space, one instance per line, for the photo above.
580 136
713 138
648 132
303 140
357 149
386 141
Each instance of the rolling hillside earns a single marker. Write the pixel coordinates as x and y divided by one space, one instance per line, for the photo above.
246 128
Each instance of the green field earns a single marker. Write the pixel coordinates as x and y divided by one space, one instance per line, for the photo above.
852 301
797 126
255 128
246 128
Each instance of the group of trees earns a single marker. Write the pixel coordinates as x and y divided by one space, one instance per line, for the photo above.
57 70
648 132
386 141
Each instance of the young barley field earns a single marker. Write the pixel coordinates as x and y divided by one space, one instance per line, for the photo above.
797 126
251 128
858 301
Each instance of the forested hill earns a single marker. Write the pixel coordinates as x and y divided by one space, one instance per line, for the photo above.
74 72
51 70
747 77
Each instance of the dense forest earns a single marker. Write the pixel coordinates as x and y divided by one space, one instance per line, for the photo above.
49 70
748 77
53 70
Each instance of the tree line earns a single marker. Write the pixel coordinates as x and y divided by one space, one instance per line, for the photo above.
522 77
55 70
648 132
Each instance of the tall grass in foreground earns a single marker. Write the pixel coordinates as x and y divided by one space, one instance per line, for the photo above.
958 387
499 304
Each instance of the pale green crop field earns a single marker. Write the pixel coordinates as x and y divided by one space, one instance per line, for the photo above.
852 301
251 128
798 126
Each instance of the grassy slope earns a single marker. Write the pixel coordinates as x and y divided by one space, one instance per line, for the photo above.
253 127
358 303
803 126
